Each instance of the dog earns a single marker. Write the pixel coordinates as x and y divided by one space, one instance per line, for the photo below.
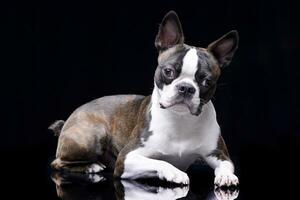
161 135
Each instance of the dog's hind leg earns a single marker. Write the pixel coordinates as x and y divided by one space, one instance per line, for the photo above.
78 166
80 148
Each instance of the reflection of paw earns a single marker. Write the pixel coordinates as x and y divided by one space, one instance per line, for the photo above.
172 193
95 168
226 179
226 194
135 190
95 178
172 174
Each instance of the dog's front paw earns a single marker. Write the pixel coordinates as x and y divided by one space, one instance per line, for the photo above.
226 194
226 179
174 175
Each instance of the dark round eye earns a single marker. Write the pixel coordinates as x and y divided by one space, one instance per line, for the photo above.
169 72
206 83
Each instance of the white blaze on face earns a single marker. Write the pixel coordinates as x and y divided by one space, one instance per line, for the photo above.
190 63
187 75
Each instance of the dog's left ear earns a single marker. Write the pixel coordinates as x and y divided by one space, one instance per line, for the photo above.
170 32
224 48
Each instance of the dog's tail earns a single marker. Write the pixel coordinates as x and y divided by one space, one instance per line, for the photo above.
56 127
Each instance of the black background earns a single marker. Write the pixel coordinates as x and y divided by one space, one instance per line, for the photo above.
58 55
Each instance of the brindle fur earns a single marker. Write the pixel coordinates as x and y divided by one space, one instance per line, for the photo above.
221 152
97 131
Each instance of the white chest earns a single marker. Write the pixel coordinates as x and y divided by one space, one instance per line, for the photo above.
181 139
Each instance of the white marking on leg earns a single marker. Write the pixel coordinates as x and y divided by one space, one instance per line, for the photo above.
137 166
224 172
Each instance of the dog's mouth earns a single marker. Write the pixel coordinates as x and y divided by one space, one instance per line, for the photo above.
183 107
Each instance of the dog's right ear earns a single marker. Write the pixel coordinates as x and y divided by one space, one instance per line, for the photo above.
170 32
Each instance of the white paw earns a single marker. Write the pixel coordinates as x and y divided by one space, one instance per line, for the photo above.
226 194
94 168
172 174
226 179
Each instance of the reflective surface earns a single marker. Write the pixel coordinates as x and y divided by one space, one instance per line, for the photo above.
26 175
82 186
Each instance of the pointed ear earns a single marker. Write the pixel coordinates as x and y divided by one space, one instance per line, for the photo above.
170 32
224 48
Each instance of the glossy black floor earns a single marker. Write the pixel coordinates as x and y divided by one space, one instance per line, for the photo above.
264 174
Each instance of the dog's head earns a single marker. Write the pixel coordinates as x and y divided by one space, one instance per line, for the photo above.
186 76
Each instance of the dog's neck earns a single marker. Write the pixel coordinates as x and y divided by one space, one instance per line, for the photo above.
180 126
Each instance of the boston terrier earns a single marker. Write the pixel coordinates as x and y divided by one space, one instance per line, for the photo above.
161 135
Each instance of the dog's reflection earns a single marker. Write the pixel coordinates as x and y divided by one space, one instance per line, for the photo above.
81 186
133 190
84 186
226 194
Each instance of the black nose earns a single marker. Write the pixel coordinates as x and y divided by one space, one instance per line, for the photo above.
186 89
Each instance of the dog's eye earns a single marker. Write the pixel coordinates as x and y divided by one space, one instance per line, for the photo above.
169 73
206 83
